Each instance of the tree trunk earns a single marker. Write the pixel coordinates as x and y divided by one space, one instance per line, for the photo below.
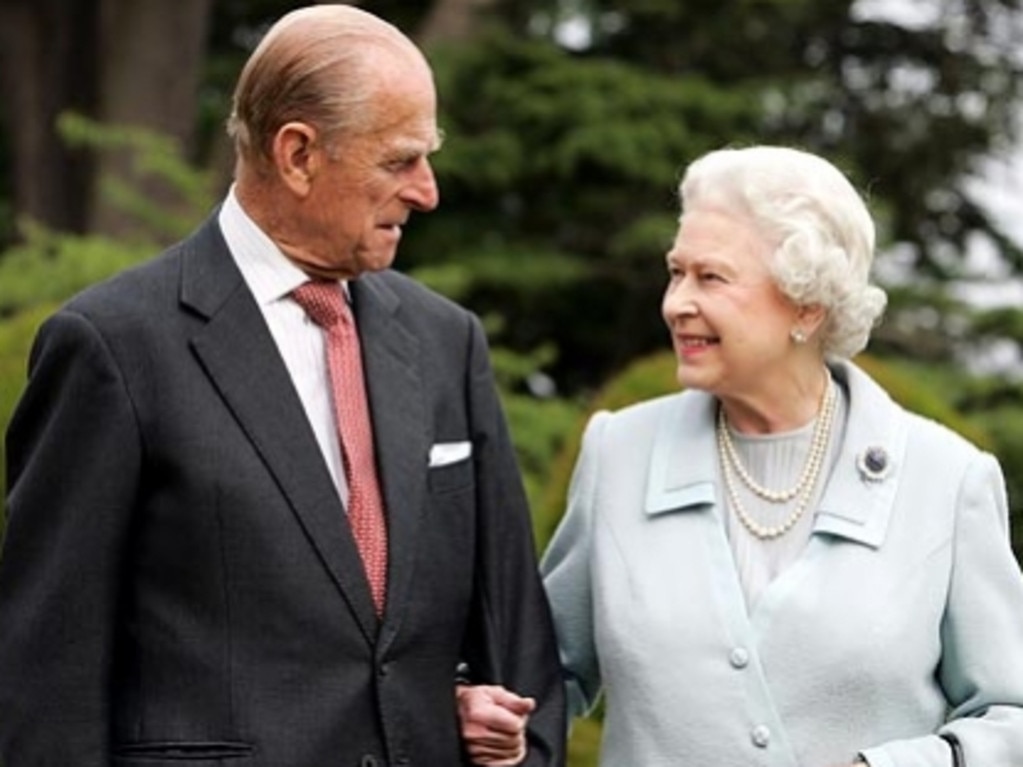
47 55
452 21
150 73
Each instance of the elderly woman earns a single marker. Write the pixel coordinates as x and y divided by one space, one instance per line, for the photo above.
780 565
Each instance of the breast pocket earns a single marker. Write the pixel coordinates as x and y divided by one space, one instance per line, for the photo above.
451 477
182 754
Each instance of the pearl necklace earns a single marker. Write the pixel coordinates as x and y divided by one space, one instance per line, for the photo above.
732 466
821 432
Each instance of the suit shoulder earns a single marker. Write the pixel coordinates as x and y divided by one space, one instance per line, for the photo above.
417 294
938 440
648 414
132 288
656 407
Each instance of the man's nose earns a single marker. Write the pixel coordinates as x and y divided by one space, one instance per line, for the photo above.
422 193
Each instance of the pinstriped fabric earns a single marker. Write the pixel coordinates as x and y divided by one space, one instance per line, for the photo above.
326 307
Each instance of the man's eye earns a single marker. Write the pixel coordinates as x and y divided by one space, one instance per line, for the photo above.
402 163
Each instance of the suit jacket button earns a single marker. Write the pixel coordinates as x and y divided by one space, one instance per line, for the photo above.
369 761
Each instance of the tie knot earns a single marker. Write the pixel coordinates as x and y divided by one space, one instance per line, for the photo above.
322 301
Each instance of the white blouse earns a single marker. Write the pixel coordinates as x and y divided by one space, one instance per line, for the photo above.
776 461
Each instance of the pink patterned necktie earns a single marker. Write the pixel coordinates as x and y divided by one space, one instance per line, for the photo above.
325 305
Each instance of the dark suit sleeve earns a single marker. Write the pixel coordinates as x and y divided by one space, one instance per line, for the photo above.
73 459
512 638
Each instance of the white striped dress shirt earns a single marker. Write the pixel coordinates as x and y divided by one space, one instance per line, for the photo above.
271 277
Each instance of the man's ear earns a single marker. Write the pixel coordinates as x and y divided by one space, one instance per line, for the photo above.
297 156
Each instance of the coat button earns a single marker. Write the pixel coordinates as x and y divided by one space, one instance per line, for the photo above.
369 761
760 735
738 657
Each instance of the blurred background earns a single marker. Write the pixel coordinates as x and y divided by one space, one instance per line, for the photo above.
568 123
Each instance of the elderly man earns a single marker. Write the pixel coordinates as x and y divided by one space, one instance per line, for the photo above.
263 500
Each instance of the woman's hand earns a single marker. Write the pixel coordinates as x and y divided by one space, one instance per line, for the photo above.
493 722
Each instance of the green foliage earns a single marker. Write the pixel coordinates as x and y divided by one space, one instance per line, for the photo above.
924 390
584 743
1005 425
558 176
574 154
538 427
538 421
645 378
16 334
497 266
153 158
49 267
998 324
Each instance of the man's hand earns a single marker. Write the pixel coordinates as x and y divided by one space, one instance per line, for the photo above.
493 722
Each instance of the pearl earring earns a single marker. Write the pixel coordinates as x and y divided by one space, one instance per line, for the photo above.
798 336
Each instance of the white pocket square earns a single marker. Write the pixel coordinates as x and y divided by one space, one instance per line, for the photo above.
444 453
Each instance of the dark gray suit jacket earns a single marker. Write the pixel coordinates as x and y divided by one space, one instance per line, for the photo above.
178 584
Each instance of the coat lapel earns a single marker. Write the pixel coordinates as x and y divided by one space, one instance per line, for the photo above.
391 358
682 472
239 355
857 503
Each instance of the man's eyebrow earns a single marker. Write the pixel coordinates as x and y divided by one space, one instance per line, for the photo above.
438 140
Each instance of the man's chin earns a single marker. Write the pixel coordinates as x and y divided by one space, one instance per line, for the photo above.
376 261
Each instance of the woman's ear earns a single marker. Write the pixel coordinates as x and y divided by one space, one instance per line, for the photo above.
809 318
296 156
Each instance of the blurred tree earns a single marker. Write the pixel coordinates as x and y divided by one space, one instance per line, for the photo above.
47 64
150 65
569 123
129 62
557 192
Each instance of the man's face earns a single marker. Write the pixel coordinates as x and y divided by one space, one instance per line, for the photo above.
370 181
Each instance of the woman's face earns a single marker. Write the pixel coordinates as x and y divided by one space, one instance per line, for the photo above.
730 324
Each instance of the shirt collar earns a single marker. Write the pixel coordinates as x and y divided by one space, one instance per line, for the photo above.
269 274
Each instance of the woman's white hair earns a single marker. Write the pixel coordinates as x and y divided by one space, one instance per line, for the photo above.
818 225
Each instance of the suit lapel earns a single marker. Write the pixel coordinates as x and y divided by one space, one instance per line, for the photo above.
391 358
239 355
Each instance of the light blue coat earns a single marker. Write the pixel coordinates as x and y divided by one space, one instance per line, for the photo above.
902 618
